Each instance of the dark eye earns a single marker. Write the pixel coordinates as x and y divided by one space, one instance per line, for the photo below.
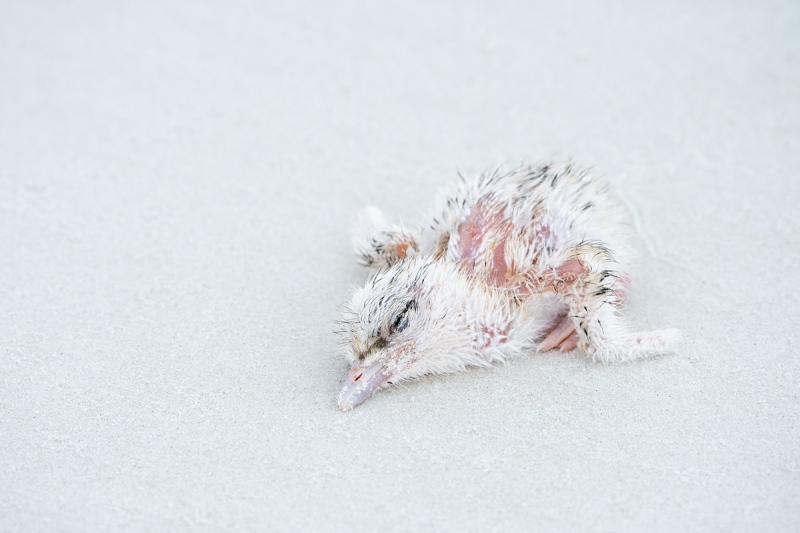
401 322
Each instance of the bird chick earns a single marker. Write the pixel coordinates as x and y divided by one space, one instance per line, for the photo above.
536 257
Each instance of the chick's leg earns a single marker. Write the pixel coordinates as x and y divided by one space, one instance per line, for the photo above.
592 284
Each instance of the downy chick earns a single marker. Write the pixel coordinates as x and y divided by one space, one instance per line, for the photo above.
536 257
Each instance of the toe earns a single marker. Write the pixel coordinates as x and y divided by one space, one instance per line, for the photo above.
570 343
559 334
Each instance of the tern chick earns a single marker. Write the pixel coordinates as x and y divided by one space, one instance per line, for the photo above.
533 258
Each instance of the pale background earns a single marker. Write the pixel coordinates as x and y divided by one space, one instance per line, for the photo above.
176 184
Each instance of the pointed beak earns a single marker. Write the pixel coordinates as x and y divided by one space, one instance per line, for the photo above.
361 382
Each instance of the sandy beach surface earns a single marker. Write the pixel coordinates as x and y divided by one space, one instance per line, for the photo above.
177 180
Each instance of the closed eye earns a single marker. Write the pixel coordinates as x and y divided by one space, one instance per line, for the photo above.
401 322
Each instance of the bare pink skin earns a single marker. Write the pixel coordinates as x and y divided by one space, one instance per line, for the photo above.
483 220
471 233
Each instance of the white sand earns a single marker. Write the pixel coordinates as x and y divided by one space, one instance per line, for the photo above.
176 185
